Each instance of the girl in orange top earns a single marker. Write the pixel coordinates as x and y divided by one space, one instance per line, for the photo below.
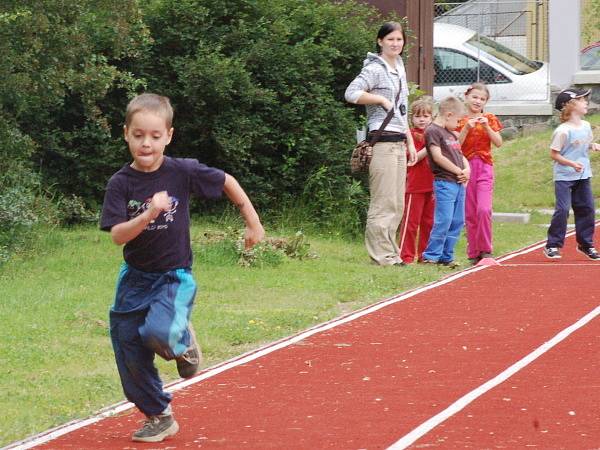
478 130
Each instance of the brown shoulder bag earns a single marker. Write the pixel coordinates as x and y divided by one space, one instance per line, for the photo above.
363 152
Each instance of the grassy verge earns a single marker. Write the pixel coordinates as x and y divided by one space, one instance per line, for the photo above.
56 363
524 172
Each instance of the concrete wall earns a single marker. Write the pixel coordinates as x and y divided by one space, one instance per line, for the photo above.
564 38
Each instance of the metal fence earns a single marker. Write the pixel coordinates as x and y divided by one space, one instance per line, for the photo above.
502 43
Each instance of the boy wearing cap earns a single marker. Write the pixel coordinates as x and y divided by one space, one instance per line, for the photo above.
569 149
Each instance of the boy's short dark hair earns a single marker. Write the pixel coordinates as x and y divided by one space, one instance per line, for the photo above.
153 103
451 104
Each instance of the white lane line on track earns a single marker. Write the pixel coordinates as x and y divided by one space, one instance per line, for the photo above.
243 359
582 264
465 400
61 430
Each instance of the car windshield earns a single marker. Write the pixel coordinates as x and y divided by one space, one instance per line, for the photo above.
507 58
590 58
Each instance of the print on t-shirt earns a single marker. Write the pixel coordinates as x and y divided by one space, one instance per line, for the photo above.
135 208
453 144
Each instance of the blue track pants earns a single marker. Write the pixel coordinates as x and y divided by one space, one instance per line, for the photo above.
150 316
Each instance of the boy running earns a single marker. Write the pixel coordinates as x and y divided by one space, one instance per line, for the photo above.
146 207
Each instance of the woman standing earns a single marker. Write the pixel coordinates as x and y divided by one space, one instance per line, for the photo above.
377 86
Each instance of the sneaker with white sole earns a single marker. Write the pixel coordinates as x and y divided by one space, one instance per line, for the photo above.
590 252
156 429
189 362
450 264
552 252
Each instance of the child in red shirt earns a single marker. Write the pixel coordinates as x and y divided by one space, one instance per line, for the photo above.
478 130
419 202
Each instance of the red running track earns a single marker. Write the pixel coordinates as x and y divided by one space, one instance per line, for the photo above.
410 372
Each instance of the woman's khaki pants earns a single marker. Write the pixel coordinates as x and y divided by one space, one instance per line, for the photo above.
387 183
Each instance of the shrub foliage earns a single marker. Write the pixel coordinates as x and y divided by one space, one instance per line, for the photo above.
257 86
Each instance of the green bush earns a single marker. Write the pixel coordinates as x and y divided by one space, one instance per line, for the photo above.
19 185
258 88
226 248
337 202
63 87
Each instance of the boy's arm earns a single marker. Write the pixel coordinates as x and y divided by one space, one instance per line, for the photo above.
254 229
443 162
559 140
126 231
556 156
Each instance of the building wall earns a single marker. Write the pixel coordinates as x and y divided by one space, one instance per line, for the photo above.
537 30
564 35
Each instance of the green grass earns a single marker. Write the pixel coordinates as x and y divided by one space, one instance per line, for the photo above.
56 362
524 172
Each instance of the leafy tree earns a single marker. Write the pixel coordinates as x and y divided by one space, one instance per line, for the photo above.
60 63
590 22
258 86
19 185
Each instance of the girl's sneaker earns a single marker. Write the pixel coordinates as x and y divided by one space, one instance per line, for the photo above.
590 252
156 428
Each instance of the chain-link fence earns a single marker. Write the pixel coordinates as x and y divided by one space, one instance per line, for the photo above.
502 43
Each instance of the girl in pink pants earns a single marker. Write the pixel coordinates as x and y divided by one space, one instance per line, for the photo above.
478 130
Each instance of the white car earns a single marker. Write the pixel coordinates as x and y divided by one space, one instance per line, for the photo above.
517 84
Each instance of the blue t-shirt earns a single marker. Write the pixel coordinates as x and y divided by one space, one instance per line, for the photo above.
573 143
165 243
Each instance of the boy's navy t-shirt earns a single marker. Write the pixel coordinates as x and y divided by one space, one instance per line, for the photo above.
165 243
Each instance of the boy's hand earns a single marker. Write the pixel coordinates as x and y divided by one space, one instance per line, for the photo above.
595 147
253 235
484 121
463 176
577 166
160 202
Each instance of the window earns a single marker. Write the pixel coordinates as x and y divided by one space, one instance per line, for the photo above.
504 56
590 57
455 68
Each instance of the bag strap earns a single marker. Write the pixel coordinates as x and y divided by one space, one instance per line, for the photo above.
387 119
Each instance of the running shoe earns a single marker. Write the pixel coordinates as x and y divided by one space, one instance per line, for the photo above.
156 429
189 362
552 252
590 252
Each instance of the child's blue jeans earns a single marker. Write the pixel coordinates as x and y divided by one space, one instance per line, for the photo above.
150 316
449 218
